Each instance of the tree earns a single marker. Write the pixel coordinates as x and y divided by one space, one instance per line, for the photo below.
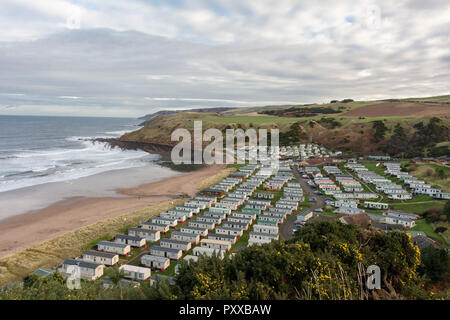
435 264
380 130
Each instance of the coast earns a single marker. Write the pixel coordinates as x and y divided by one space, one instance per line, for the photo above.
46 236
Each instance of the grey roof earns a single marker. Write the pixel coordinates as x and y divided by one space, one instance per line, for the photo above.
112 244
80 263
164 249
99 254
174 241
143 230
184 234
128 237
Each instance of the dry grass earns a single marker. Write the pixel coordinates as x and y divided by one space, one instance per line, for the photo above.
14 267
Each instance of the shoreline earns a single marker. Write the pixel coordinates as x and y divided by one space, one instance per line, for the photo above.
76 212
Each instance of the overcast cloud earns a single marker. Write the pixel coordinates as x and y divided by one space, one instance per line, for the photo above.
129 58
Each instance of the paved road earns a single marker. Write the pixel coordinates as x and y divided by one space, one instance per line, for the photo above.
288 225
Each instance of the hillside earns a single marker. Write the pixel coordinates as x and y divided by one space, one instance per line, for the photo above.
409 127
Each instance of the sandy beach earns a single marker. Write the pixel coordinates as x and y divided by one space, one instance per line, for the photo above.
21 231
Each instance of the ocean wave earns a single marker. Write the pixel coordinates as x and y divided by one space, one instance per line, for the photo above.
30 168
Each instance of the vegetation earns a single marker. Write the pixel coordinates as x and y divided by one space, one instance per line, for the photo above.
326 260
301 111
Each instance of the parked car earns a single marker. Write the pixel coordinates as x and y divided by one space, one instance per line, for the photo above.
312 199
318 210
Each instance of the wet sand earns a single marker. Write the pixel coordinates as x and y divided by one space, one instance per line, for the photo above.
19 232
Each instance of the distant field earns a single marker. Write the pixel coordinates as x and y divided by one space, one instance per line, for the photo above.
396 109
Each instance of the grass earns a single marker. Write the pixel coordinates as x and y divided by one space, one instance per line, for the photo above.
422 225
417 208
427 172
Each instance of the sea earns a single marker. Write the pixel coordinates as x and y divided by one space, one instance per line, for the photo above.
37 150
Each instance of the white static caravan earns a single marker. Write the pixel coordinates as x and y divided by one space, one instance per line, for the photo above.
261 238
188 209
198 251
181 212
226 205
147 234
216 244
247 221
215 220
197 204
400 196
175 244
106 258
181 217
201 224
173 254
376 205
172 222
199 231
88 270
229 231
260 228
134 272
187 237
210 214
162 228
114 247
442 195
220 210
236 225
264 217
155 262
133 241
248 215
223 237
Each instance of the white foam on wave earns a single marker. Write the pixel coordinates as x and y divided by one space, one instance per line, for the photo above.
67 164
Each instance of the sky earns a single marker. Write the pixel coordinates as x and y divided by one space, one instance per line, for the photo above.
130 58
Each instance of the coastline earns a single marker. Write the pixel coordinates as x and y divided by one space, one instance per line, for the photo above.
75 212
62 230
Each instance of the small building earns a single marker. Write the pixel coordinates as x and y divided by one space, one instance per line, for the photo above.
175 244
376 205
198 251
135 272
172 222
147 234
87 270
106 258
183 236
259 228
162 228
202 232
223 237
173 254
114 247
216 244
155 262
229 231
133 241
